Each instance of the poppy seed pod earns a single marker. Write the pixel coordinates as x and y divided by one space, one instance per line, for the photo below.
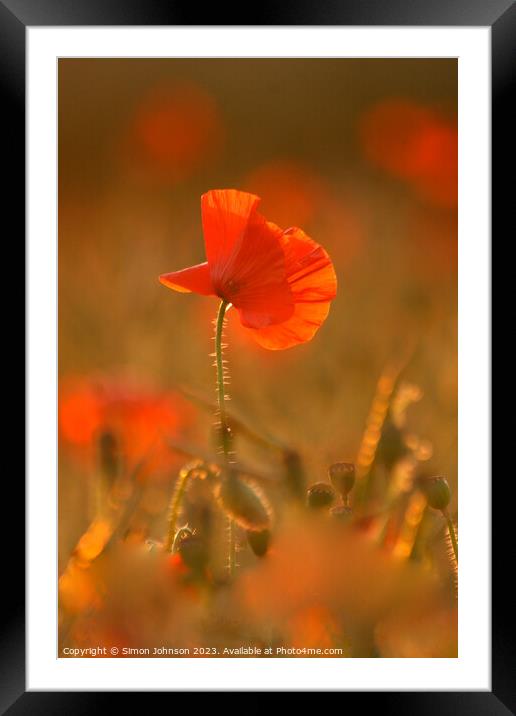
342 477
244 502
437 492
342 513
320 495
259 541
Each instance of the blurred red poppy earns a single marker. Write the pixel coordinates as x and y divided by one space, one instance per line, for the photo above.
280 282
415 143
291 192
176 129
136 418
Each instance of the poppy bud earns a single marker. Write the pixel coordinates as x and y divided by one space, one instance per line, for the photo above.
342 513
193 552
342 477
437 492
294 473
181 534
259 541
109 457
320 495
391 447
244 502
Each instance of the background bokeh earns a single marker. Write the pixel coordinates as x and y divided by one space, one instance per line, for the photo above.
362 154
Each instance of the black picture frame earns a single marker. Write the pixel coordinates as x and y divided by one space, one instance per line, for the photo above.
15 17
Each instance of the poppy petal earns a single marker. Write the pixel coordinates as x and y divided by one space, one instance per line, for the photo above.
225 216
310 271
313 284
299 328
258 285
196 279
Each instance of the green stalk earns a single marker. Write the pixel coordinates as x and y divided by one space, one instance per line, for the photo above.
232 547
221 397
453 536
175 505
225 436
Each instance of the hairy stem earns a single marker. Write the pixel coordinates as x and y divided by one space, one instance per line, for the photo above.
225 435
221 396
232 547
175 505
453 536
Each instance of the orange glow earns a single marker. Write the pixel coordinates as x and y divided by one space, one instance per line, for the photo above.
93 540
313 627
77 589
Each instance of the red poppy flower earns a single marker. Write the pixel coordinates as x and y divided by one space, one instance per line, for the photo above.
137 417
417 144
176 130
280 282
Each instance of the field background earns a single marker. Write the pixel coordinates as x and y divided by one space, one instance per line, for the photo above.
360 153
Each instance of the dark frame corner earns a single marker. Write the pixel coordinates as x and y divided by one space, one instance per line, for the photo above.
500 15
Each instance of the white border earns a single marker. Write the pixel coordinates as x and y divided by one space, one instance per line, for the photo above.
471 671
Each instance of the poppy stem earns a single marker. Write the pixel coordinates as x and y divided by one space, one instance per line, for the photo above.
175 506
232 547
225 433
221 396
453 536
